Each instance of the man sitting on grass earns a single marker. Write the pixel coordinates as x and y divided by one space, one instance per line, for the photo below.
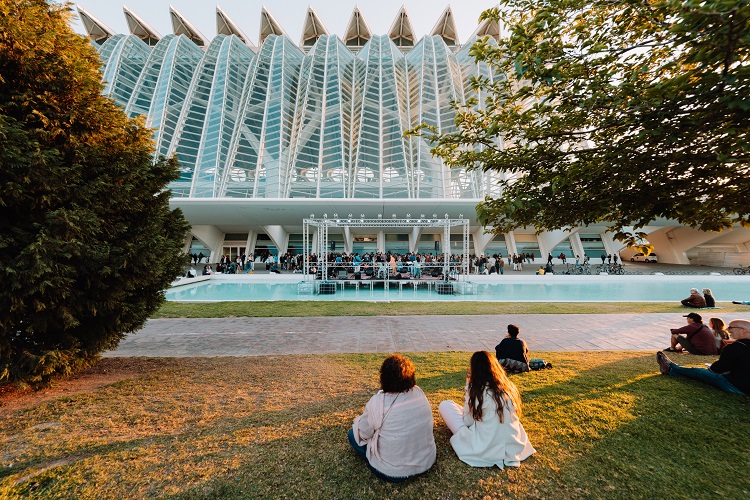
695 300
695 337
512 352
731 373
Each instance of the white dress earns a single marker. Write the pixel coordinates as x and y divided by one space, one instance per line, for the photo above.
490 442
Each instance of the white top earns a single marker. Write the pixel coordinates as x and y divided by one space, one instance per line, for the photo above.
490 442
398 434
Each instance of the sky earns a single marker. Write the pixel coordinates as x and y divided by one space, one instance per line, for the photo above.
290 14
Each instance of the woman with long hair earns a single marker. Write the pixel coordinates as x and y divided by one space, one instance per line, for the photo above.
394 434
487 431
720 331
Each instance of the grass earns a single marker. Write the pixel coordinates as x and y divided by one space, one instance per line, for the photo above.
604 425
274 309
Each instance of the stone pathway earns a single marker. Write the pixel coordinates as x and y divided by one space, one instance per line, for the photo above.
348 334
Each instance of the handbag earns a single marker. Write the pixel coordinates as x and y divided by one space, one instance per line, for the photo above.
539 364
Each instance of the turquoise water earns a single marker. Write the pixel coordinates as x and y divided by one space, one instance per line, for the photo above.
533 289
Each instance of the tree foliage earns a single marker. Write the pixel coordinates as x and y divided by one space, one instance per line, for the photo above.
87 240
618 112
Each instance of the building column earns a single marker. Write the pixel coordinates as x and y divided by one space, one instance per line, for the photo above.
577 245
279 236
211 237
252 239
381 241
348 240
481 240
549 240
510 244
414 236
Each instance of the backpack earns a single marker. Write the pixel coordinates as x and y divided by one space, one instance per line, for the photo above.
539 364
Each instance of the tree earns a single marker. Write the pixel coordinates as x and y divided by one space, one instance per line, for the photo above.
88 243
620 112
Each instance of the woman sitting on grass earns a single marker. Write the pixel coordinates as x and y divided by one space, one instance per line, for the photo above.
394 434
486 431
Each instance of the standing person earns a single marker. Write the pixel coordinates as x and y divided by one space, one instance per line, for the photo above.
512 353
708 296
695 300
549 258
501 268
614 258
487 430
695 337
604 257
730 373
394 434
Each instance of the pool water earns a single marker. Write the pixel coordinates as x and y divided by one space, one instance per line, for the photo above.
517 289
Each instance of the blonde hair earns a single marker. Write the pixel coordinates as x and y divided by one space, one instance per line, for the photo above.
707 291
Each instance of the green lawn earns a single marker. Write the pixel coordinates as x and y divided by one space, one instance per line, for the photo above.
605 425
351 308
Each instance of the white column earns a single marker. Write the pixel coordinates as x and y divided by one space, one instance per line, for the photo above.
279 236
212 238
416 233
381 241
481 240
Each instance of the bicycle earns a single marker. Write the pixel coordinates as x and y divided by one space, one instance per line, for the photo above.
742 270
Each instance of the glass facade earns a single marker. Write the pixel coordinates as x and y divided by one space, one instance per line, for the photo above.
284 123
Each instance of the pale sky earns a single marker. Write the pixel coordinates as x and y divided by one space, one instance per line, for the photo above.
290 14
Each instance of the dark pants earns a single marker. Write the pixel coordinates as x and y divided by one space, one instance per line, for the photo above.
362 452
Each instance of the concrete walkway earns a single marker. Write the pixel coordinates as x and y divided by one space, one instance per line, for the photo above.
347 334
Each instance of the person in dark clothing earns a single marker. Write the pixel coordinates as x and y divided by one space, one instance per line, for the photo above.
512 352
708 296
695 300
730 373
695 337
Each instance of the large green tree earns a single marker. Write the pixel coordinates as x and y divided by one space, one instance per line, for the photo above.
618 112
88 242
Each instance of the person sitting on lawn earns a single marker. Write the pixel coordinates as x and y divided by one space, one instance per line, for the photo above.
708 296
486 430
720 331
394 434
695 300
730 373
513 353
695 337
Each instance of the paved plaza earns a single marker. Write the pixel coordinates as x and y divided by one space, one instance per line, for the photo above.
351 334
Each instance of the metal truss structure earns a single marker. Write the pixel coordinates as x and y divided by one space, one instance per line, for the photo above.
323 226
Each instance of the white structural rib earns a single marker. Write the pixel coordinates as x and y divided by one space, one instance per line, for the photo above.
181 26
402 32
268 25
141 28
97 30
357 33
446 28
225 26
312 29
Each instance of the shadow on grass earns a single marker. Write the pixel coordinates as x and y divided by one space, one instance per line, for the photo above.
605 425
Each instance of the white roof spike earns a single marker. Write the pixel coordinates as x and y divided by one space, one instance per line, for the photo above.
268 25
225 26
312 29
402 32
181 26
357 33
140 28
446 27
97 30
488 27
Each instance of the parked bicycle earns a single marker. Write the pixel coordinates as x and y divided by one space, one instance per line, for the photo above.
610 269
742 270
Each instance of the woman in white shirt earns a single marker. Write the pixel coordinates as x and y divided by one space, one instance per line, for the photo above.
394 434
487 431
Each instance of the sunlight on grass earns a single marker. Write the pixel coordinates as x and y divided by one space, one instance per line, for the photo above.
604 424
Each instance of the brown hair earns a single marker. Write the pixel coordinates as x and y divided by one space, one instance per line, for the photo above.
397 374
486 372
719 327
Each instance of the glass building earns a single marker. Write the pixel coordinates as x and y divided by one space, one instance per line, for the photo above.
267 135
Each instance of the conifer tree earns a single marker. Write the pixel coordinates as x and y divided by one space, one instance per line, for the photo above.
88 242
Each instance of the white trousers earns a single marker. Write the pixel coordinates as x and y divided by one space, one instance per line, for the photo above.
453 414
